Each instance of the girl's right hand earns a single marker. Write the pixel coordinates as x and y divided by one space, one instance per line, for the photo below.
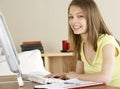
57 75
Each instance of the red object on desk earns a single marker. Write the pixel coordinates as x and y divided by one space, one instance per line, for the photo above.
65 45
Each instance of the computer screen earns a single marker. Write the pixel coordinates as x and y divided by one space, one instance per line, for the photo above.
9 50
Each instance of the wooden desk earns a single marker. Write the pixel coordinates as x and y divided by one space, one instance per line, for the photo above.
9 82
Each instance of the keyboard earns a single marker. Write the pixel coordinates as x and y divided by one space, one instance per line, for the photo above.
42 80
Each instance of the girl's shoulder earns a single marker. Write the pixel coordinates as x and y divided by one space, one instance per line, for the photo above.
106 39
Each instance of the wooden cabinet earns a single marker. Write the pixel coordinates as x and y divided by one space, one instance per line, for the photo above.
59 62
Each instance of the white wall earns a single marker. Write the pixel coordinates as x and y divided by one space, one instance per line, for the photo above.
46 20
111 14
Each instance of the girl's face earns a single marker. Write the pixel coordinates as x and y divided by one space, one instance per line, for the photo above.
77 20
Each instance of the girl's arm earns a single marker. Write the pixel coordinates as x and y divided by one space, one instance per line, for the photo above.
79 67
108 53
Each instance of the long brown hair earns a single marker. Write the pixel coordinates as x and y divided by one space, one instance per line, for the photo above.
95 25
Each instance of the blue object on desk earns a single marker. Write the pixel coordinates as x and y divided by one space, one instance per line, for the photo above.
71 83
40 88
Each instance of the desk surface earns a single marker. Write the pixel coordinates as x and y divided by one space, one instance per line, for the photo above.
9 82
57 54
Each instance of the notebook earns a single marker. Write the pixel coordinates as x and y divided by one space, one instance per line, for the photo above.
69 84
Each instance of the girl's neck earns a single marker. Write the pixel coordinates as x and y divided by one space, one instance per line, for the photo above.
86 41
84 36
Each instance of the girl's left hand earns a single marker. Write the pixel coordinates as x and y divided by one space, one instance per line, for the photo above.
72 75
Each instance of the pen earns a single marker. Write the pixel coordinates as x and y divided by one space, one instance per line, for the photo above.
71 83
40 88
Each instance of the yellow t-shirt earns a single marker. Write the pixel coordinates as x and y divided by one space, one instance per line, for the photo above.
96 65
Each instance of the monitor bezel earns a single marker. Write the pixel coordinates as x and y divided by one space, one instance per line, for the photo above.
9 50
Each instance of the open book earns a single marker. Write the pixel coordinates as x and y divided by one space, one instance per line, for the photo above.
69 84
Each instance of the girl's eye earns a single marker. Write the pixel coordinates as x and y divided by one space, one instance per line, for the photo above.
70 17
80 16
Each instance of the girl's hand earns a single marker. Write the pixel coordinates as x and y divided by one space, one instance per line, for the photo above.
72 75
57 75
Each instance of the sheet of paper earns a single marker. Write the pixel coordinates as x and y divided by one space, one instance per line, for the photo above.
68 84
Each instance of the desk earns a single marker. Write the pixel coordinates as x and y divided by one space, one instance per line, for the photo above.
11 84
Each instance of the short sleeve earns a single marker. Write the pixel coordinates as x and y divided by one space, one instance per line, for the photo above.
107 39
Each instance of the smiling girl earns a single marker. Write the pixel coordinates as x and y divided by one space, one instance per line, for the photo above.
95 48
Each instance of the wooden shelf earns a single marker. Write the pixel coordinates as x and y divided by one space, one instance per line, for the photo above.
59 62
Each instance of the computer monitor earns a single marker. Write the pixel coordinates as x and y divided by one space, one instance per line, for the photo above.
9 50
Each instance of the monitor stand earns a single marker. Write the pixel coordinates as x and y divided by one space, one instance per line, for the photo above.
20 79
